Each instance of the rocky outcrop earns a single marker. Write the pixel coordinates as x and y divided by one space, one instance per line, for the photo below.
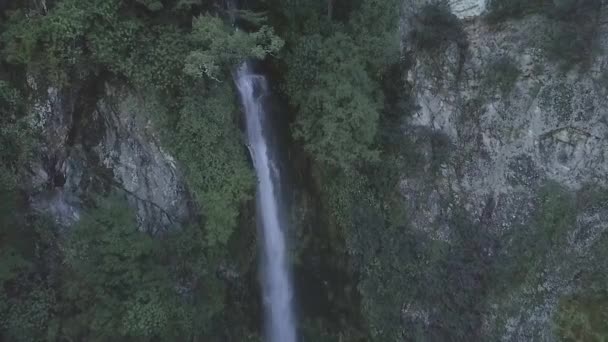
467 8
490 142
549 124
97 138
463 9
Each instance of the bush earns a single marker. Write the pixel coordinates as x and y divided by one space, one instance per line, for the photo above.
206 142
583 317
603 80
499 10
435 27
571 36
502 74
571 43
572 10
529 248
338 106
16 135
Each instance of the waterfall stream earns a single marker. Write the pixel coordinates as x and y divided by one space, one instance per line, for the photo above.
276 286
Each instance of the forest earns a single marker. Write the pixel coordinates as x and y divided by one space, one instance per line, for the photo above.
340 73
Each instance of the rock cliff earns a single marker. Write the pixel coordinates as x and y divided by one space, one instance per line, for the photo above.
98 138
491 142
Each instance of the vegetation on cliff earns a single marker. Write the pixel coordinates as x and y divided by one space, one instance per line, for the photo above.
340 68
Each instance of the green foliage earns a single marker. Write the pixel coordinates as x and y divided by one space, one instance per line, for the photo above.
440 147
152 5
372 27
256 19
499 10
54 43
436 289
148 55
105 280
111 282
219 47
602 80
573 9
114 269
529 248
571 43
26 294
364 206
76 35
27 319
340 80
435 27
339 115
207 141
332 80
173 61
502 74
16 136
440 290
583 317
557 213
570 38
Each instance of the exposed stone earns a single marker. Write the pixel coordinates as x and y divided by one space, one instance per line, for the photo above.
552 125
101 140
467 8
140 166
506 144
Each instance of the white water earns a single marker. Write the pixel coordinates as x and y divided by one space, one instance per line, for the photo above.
276 286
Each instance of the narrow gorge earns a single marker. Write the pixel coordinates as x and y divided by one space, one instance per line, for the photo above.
332 171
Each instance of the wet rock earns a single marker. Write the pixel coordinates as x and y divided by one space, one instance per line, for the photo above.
98 138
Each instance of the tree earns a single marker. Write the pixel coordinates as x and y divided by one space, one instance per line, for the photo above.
209 144
16 136
219 47
117 284
338 108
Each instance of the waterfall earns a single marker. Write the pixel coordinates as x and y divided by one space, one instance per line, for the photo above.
276 286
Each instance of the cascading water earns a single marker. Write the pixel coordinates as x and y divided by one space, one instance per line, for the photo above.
276 286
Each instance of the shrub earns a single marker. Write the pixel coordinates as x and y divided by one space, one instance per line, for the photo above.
338 110
502 74
603 79
529 248
435 26
572 9
16 135
570 39
206 142
583 317
440 146
571 34
499 10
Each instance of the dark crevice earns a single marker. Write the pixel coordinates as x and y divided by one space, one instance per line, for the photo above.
83 101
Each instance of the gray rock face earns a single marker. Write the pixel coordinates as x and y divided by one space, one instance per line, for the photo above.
550 125
100 140
140 166
467 8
